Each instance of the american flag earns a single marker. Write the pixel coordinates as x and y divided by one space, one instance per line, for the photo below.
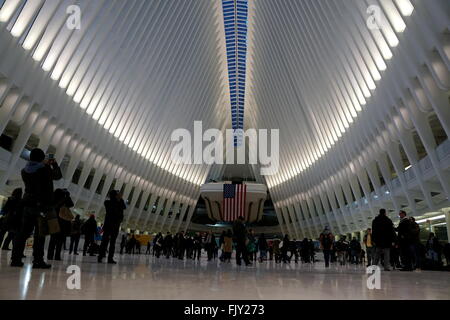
234 196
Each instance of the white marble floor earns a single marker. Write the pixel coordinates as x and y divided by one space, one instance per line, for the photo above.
145 277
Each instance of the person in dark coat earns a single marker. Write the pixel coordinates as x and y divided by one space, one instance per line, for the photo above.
123 244
131 245
293 250
221 244
383 236
446 252
270 250
114 216
285 248
181 245
405 241
138 246
252 247
342 248
326 244
355 251
312 251
158 244
240 236
197 246
262 247
62 199
149 245
3 227
304 251
189 247
89 229
434 249
38 202
415 232
75 234
175 245
167 245
210 244
12 217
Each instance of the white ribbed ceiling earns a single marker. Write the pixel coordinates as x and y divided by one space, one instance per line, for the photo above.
334 87
141 69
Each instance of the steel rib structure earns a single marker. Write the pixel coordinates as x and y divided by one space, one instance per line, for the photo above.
353 103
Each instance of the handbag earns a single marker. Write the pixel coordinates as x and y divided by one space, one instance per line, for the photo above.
52 223
65 214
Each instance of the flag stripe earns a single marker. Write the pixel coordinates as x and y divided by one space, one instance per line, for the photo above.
234 199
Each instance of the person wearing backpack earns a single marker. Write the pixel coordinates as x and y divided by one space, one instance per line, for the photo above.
326 244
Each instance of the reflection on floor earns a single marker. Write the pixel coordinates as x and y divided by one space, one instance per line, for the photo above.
145 277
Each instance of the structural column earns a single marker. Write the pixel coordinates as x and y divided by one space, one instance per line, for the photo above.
447 220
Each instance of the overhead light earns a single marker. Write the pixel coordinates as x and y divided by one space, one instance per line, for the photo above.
406 8
440 224
431 219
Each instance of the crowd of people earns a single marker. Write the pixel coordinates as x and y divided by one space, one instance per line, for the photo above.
248 246
41 211
394 247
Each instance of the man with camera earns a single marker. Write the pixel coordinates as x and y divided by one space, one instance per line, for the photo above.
38 201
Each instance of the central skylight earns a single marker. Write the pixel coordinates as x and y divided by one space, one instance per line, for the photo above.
235 13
